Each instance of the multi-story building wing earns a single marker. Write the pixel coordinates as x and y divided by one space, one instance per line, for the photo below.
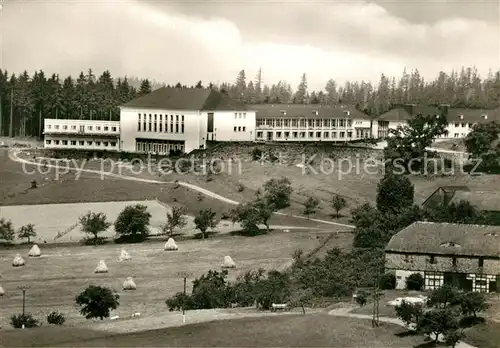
82 134
183 119
460 120
465 256
307 123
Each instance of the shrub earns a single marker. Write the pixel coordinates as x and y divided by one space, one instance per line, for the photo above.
56 318
415 282
240 188
18 320
387 281
256 154
409 313
361 298
132 223
178 301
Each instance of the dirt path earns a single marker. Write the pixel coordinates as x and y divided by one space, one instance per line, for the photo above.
13 156
345 312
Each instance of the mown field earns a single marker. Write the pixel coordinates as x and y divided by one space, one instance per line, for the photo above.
310 330
62 272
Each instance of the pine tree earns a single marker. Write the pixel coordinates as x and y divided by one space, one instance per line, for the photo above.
146 87
300 95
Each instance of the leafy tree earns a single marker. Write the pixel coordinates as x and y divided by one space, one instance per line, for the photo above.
473 303
7 231
406 147
437 322
179 301
275 288
394 193
97 302
410 313
27 231
361 298
133 222
93 224
310 206
415 281
443 297
245 287
211 290
205 220
482 139
338 203
252 214
175 219
277 192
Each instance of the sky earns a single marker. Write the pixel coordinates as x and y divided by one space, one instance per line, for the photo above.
187 41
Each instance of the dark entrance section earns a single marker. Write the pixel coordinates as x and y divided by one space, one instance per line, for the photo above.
458 280
210 123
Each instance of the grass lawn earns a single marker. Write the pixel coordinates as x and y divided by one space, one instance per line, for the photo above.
313 330
62 272
485 335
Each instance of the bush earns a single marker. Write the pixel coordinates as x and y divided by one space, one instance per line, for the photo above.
56 318
17 321
240 188
415 282
179 301
361 298
256 154
97 302
387 281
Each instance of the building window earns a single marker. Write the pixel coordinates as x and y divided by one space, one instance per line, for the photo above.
278 123
302 134
81 143
182 124
349 123
342 135
302 123
56 142
481 262
156 123
318 134
342 123
65 127
287 123
287 135
73 127
150 123
470 125
349 134
454 261
73 142
98 143
235 115
457 124
105 143
463 124
259 134
98 128
294 135
177 128
244 128
456 135
138 124
244 115
106 128
56 126
295 123
49 126
160 125
433 280
113 144
239 129
235 128
47 142
334 134
407 258
278 134
432 259
89 143
325 135
326 123
65 142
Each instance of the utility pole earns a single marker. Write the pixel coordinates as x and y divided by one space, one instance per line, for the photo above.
184 275
23 288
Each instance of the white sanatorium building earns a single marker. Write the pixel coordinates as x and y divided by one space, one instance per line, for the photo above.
185 119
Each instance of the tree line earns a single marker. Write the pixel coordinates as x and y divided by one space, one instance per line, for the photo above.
26 100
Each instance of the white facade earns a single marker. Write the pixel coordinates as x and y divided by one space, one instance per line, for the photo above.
160 131
81 134
312 129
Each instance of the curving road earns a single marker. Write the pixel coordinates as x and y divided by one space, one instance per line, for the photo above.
13 156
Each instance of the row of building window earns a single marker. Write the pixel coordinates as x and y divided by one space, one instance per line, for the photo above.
82 128
161 148
305 123
314 135
463 124
80 143
432 260
240 115
240 129
154 123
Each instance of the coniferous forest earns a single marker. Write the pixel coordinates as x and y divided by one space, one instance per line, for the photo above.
25 100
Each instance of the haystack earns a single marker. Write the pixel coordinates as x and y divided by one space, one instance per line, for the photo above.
124 255
129 284
2 291
101 267
170 245
35 251
18 261
228 262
